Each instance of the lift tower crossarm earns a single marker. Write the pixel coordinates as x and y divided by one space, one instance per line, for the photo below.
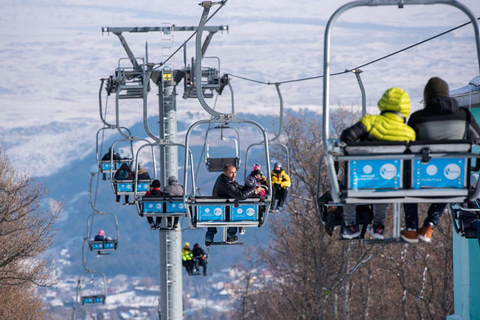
118 30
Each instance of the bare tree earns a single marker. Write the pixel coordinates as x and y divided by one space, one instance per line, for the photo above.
26 232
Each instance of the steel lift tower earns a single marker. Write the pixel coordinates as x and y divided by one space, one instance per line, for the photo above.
171 301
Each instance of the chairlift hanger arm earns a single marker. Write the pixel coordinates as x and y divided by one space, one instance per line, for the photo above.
198 59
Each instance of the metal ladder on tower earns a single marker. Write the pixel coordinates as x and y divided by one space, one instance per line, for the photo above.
172 272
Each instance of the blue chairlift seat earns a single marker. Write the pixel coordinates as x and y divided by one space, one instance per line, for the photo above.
161 206
106 166
219 212
104 245
418 172
125 187
95 299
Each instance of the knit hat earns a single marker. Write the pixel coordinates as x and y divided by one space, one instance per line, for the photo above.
172 179
196 245
101 233
256 166
156 183
250 182
395 99
435 87
473 179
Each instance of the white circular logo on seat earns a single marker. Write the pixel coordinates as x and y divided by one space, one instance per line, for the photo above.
250 212
181 205
388 171
367 169
218 211
239 210
158 206
432 170
452 171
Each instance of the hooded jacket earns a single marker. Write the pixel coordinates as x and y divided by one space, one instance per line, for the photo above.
226 188
174 189
443 119
389 125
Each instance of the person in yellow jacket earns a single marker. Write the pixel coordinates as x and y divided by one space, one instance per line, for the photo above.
280 183
389 125
187 258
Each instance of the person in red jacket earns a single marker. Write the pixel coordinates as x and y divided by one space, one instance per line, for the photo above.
154 191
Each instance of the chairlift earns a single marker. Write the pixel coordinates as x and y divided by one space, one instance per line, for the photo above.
92 288
216 164
108 244
110 166
397 172
103 247
207 211
164 205
130 187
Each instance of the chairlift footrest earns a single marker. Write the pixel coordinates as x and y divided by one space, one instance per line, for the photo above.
220 243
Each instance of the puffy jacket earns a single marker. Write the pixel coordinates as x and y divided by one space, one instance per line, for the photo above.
186 254
280 178
443 119
389 125
226 188
174 189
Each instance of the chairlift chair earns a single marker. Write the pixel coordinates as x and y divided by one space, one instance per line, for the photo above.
103 247
110 166
216 164
161 206
130 187
207 211
92 288
387 172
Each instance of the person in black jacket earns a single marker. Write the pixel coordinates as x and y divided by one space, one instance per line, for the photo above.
199 259
441 119
124 173
109 156
227 187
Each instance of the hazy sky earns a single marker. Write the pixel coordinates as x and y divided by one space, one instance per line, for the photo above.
54 54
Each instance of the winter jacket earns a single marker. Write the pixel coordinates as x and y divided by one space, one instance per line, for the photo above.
154 192
198 252
443 119
259 177
143 174
124 173
187 254
389 125
226 188
174 189
281 178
